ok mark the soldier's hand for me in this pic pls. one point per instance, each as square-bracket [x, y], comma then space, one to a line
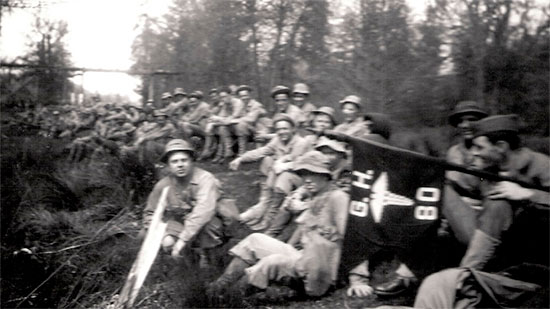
[178, 246]
[360, 290]
[234, 165]
[509, 191]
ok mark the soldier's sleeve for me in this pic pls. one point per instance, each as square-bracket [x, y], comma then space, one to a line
[359, 274]
[205, 207]
[339, 205]
[259, 153]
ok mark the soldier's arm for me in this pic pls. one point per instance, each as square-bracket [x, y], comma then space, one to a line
[259, 153]
[205, 207]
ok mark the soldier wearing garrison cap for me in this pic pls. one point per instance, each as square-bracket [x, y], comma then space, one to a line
[193, 197]
[508, 208]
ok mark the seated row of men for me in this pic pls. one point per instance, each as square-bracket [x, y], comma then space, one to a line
[306, 181]
[230, 115]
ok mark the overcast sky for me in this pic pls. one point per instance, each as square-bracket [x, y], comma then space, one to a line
[100, 35]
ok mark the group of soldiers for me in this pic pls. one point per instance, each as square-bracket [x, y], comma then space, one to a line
[305, 192]
[299, 221]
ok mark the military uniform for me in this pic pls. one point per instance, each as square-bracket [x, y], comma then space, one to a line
[510, 222]
[194, 121]
[320, 234]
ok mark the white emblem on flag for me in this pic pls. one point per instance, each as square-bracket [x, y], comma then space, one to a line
[381, 197]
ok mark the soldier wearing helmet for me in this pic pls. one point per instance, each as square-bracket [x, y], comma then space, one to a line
[193, 196]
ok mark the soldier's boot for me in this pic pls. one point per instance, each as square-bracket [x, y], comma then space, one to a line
[242, 141]
[207, 150]
[273, 206]
[227, 147]
[480, 250]
[219, 153]
[233, 272]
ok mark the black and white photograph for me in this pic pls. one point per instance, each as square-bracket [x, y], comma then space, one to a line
[275, 154]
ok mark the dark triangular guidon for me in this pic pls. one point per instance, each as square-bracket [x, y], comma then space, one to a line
[395, 201]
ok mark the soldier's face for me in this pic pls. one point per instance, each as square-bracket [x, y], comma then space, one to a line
[350, 111]
[334, 157]
[224, 97]
[314, 183]
[284, 131]
[178, 97]
[213, 97]
[298, 98]
[322, 122]
[244, 95]
[486, 155]
[465, 126]
[281, 100]
[193, 101]
[180, 163]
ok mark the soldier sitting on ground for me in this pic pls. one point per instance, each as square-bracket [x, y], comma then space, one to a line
[310, 258]
[323, 119]
[193, 122]
[510, 215]
[277, 157]
[195, 212]
[254, 121]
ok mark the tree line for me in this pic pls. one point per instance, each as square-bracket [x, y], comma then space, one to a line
[495, 51]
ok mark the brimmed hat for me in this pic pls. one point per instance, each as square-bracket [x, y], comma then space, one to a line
[381, 124]
[243, 87]
[352, 99]
[176, 145]
[280, 90]
[327, 110]
[301, 88]
[166, 95]
[225, 89]
[213, 90]
[195, 94]
[283, 117]
[179, 91]
[466, 107]
[330, 143]
[496, 123]
[313, 161]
